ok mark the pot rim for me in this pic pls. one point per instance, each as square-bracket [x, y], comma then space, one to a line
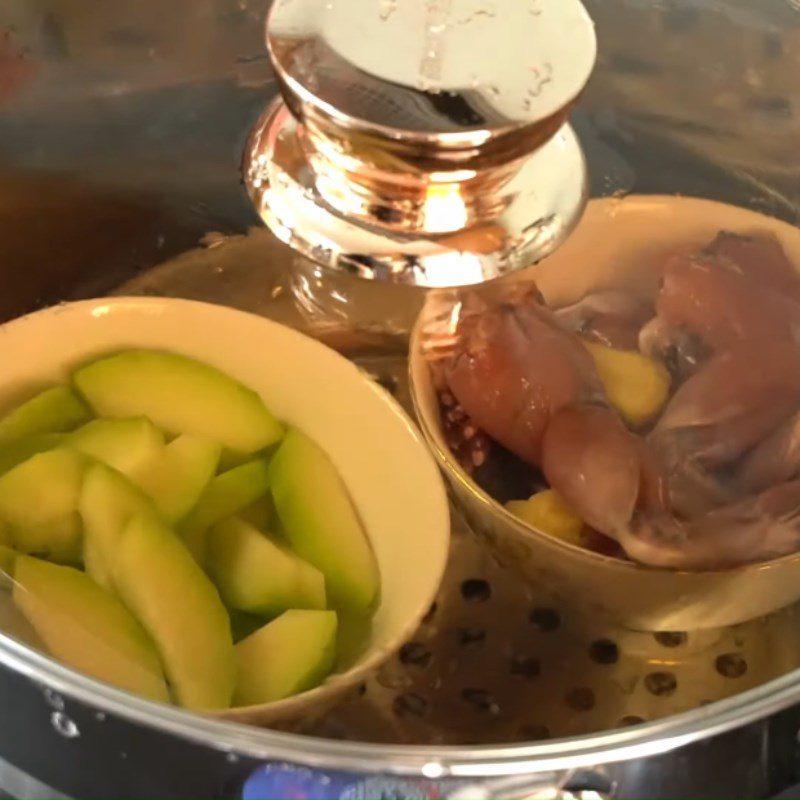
[641, 741]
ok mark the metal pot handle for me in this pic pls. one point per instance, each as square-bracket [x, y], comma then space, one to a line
[592, 784]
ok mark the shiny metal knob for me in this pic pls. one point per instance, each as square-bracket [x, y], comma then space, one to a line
[426, 142]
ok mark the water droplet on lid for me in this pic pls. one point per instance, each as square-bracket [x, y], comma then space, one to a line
[409, 704]
[661, 684]
[534, 732]
[545, 619]
[525, 666]
[581, 698]
[670, 638]
[415, 653]
[54, 699]
[481, 700]
[471, 636]
[432, 770]
[426, 85]
[604, 651]
[731, 665]
[64, 725]
[393, 678]
[387, 8]
[476, 590]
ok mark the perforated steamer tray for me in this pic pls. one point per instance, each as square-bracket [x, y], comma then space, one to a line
[494, 661]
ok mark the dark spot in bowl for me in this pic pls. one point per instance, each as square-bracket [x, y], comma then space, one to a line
[471, 636]
[415, 653]
[127, 37]
[630, 65]
[580, 698]
[410, 704]
[481, 700]
[525, 666]
[679, 18]
[773, 45]
[505, 477]
[533, 733]
[670, 638]
[661, 684]
[388, 382]
[604, 651]
[476, 590]
[545, 619]
[631, 719]
[731, 665]
[773, 106]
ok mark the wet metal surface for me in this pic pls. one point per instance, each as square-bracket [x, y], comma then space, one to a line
[121, 132]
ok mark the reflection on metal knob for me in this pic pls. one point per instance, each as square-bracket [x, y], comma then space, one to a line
[423, 143]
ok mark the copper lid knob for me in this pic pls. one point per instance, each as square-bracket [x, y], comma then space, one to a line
[423, 143]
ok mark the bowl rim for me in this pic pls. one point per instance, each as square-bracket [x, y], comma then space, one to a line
[431, 430]
[336, 682]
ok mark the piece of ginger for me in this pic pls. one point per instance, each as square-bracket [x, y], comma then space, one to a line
[637, 386]
[548, 512]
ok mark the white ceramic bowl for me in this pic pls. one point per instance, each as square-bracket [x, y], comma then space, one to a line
[618, 243]
[390, 474]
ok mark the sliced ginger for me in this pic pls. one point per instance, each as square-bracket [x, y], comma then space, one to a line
[637, 386]
[548, 512]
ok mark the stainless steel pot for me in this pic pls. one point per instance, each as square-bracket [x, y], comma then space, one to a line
[121, 132]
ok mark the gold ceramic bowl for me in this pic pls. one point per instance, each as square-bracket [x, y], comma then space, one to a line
[617, 243]
[376, 449]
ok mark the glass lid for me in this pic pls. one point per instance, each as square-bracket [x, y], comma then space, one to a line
[341, 176]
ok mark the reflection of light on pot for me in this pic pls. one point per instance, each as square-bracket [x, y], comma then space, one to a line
[449, 269]
[455, 176]
[444, 211]
[455, 315]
